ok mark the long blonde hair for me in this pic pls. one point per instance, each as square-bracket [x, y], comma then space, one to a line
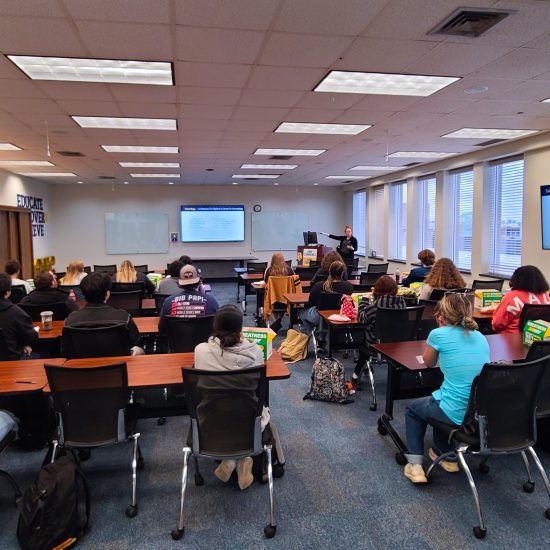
[335, 273]
[456, 309]
[127, 273]
[74, 270]
[278, 267]
[444, 274]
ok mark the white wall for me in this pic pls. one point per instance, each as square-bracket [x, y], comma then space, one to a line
[12, 185]
[78, 216]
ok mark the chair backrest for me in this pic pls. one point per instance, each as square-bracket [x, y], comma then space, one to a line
[369, 279]
[437, 294]
[382, 269]
[110, 269]
[329, 300]
[142, 268]
[185, 333]
[87, 269]
[256, 267]
[536, 351]
[225, 409]
[60, 274]
[288, 262]
[305, 273]
[505, 402]
[480, 284]
[159, 301]
[398, 325]
[4, 354]
[352, 264]
[18, 292]
[532, 312]
[128, 287]
[75, 288]
[129, 301]
[89, 403]
[59, 309]
[95, 340]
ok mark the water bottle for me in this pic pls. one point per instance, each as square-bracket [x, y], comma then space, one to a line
[72, 295]
[397, 276]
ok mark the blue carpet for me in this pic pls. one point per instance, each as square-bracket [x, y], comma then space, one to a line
[342, 487]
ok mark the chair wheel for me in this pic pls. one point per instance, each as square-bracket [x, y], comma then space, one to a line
[528, 486]
[479, 533]
[400, 459]
[372, 407]
[131, 511]
[483, 468]
[547, 513]
[382, 430]
[199, 480]
[161, 421]
[278, 470]
[177, 534]
[269, 531]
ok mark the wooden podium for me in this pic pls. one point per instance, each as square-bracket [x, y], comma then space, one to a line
[311, 253]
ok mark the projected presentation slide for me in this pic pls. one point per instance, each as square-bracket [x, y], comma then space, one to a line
[545, 213]
[200, 224]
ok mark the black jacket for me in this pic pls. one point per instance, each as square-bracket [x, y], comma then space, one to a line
[342, 248]
[340, 287]
[141, 278]
[49, 296]
[17, 328]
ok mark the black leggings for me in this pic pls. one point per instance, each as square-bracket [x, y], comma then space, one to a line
[364, 354]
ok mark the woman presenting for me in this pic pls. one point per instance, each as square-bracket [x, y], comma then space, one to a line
[348, 243]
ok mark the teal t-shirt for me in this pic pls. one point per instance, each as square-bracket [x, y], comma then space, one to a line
[462, 354]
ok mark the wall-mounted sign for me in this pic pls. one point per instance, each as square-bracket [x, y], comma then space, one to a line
[38, 216]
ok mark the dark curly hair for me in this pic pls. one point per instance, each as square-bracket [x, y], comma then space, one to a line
[529, 278]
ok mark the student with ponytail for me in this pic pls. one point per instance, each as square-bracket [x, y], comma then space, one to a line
[461, 352]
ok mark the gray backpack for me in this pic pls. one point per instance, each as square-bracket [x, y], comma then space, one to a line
[328, 382]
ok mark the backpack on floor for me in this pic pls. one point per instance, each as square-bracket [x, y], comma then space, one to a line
[294, 347]
[49, 514]
[328, 382]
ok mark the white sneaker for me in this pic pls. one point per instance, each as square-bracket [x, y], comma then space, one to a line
[225, 469]
[447, 465]
[415, 473]
[244, 473]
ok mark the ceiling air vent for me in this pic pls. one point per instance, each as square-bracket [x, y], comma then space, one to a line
[470, 22]
[412, 164]
[280, 157]
[106, 178]
[490, 142]
[70, 154]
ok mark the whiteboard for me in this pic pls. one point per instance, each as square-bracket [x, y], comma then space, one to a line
[278, 230]
[136, 233]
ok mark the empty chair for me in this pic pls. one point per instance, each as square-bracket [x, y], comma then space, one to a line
[59, 309]
[225, 408]
[129, 301]
[92, 410]
[110, 269]
[382, 269]
[128, 287]
[17, 293]
[256, 267]
[142, 268]
[96, 340]
[305, 273]
[532, 312]
[185, 333]
[352, 264]
[8, 432]
[367, 279]
[495, 284]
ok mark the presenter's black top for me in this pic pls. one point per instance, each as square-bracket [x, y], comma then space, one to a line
[344, 247]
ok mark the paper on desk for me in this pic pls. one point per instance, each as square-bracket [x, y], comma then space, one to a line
[420, 359]
[37, 329]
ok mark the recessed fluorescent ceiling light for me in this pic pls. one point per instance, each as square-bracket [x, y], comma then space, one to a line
[139, 149]
[313, 128]
[150, 164]
[95, 70]
[489, 133]
[48, 174]
[117, 123]
[290, 152]
[269, 166]
[255, 176]
[384, 84]
[9, 147]
[345, 178]
[377, 168]
[420, 154]
[25, 163]
[155, 175]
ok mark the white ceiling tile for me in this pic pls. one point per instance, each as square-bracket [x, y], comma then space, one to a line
[37, 120]
[385, 102]
[531, 90]
[148, 110]
[143, 93]
[217, 75]
[9, 70]
[211, 46]
[35, 8]
[90, 108]
[267, 98]
[125, 11]
[19, 89]
[202, 124]
[251, 125]
[296, 50]
[272, 114]
[17, 105]
[75, 90]
[328, 100]
[206, 112]
[492, 107]
[312, 115]
[523, 63]
[284, 78]
[198, 95]
[355, 116]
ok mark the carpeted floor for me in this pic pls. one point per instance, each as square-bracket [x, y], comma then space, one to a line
[342, 487]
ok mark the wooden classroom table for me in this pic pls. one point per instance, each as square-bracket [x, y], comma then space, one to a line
[146, 303]
[24, 376]
[337, 326]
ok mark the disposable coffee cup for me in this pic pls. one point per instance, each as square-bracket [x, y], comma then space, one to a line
[47, 319]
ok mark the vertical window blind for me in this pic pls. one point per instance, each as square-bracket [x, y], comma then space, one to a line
[398, 213]
[359, 220]
[462, 184]
[427, 213]
[376, 222]
[506, 216]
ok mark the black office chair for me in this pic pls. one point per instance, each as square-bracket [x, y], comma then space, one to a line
[329, 300]
[142, 268]
[92, 409]
[79, 295]
[288, 262]
[480, 284]
[110, 269]
[59, 309]
[95, 340]
[159, 301]
[60, 274]
[185, 333]
[533, 312]
[368, 280]
[305, 273]
[18, 292]
[381, 269]
[225, 408]
[128, 301]
[8, 433]
[128, 287]
[4, 353]
[87, 269]
[256, 267]
[500, 419]
[352, 264]
[428, 322]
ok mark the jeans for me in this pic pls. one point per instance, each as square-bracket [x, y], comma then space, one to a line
[310, 319]
[416, 422]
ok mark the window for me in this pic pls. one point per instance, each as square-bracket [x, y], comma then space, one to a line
[462, 185]
[427, 212]
[505, 222]
[376, 222]
[398, 217]
[359, 220]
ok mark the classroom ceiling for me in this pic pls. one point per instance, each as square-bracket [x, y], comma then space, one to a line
[242, 67]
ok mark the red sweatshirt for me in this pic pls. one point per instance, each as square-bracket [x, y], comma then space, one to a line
[506, 316]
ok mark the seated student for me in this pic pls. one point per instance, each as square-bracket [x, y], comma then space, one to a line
[226, 350]
[334, 284]
[128, 274]
[13, 269]
[16, 325]
[75, 274]
[170, 285]
[189, 302]
[46, 292]
[278, 267]
[384, 295]
[443, 275]
[461, 351]
[96, 288]
[528, 286]
[322, 273]
[418, 274]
